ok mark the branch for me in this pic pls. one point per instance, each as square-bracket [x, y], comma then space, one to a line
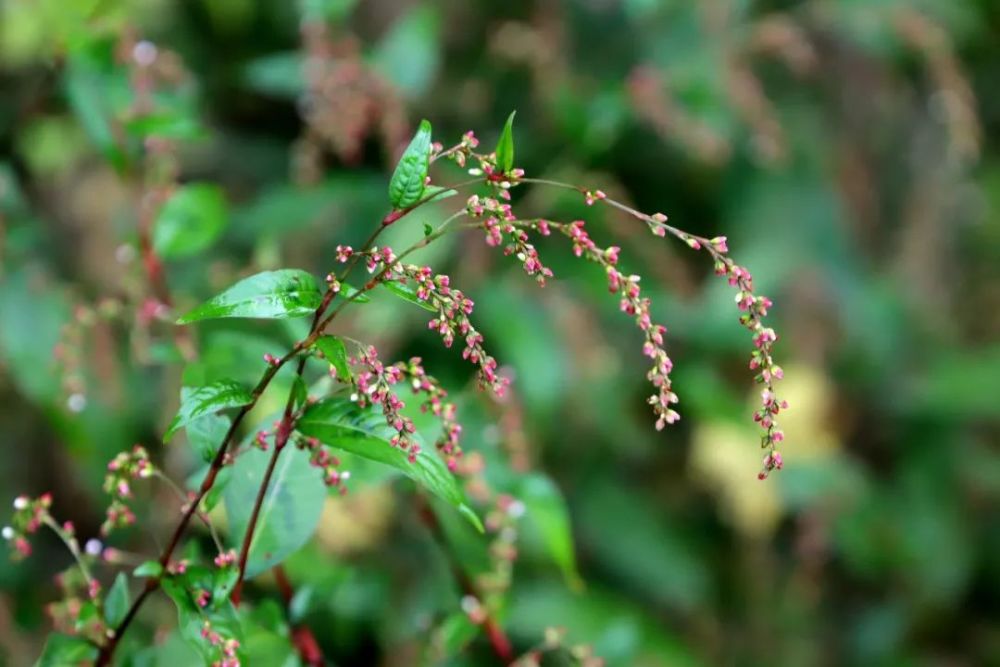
[319, 324]
[502, 647]
[302, 637]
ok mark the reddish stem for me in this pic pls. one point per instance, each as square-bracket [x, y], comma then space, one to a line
[497, 637]
[302, 637]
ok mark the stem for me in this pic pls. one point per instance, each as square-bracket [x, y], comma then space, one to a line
[498, 638]
[71, 544]
[184, 499]
[152, 583]
[280, 440]
[302, 637]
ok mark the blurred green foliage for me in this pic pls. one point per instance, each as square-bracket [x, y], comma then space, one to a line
[848, 148]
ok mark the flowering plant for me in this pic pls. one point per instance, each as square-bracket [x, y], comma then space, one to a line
[357, 412]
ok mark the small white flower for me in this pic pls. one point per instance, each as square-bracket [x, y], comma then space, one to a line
[93, 547]
[8, 533]
[20, 503]
[76, 402]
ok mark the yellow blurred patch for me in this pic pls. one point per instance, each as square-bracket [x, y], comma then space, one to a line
[726, 458]
[356, 522]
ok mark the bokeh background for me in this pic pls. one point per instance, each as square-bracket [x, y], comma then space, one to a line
[848, 148]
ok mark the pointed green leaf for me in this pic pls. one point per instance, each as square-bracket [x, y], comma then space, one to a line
[116, 604]
[455, 633]
[300, 393]
[407, 184]
[546, 510]
[335, 352]
[190, 221]
[62, 650]
[205, 435]
[290, 511]
[199, 401]
[191, 615]
[437, 193]
[340, 423]
[150, 568]
[505, 147]
[353, 294]
[268, 295]
[407, 292]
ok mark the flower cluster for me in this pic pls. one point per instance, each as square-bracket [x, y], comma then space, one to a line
[122, 470]
[226, 646]
[501, 523]
[633, 303]
[29, 514]
[452, 320]
[225, 559]
[320, 457]
[753, 308]
[374, 385]
[460, 152]
[437, 405]
[497, 220]
[77, 612]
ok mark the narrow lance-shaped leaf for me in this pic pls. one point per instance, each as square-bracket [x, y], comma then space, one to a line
[61, 650]
[407, 292]
[546, 510]
[268, 295]
[117, 601]
[408, 181]
[199, 401]
[342, 424]
[505, 147]
[335, 352]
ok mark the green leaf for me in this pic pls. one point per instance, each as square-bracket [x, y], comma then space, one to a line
[353, 294]
[327, 10]
[290, 511]
[505, 147]
[407, 185]
[205, 435]
[150, 568]
[224, 582]
[437, 193]
[199, 401]
[182, 589]
[407, 292]
[166, 125]
[456, 632]
[190, 221]
[340, 423]
[409, 55]
[277, 75]
[267, 295]
[117, 602]
[335, 352]
[546, 509]
[90, 81]
[300, 393]
[63, 650]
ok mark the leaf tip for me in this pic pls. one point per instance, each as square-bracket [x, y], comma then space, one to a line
[472, 517]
